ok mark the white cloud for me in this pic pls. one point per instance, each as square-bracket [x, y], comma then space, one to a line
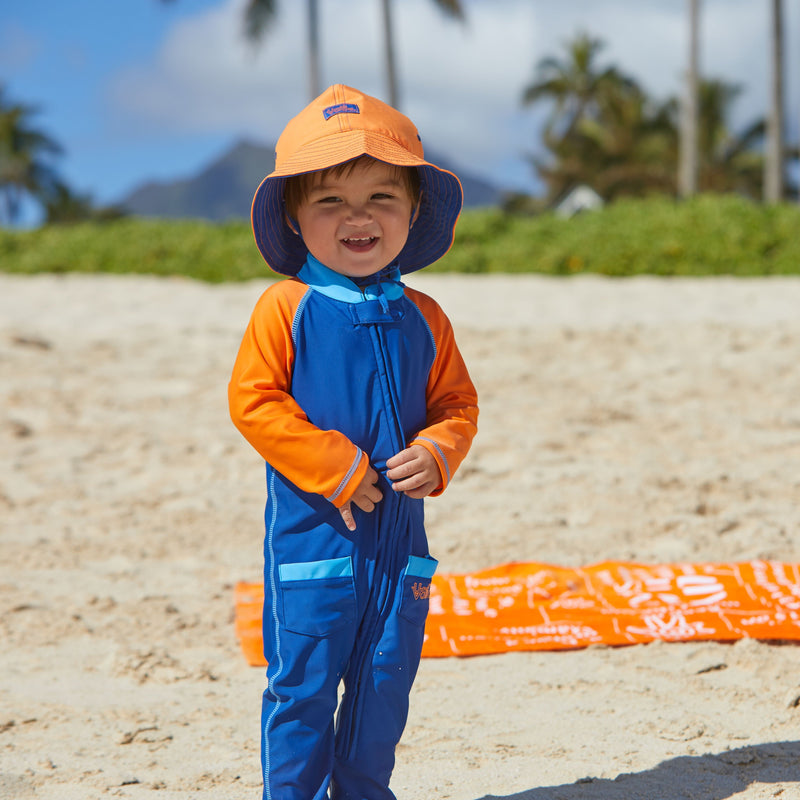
[207, 78]
[461, 84]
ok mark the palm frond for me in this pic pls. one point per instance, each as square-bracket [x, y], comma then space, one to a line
[258, 17]
[452, 8]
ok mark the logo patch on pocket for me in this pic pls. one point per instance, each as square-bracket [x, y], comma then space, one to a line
[422, 591]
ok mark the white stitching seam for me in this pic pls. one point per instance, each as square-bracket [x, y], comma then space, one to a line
[267, 791]
[441, 454]
[347, 477]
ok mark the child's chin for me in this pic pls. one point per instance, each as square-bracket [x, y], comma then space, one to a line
[360, 273]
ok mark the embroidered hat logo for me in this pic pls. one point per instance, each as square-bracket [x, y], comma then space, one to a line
[341, 108]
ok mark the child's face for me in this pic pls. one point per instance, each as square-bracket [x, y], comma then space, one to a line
[357, 223]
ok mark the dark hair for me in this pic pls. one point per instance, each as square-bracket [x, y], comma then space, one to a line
[298, 187]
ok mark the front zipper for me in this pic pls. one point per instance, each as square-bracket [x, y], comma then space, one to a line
[387, 549]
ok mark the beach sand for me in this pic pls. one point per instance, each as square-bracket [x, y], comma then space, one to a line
[643, 420]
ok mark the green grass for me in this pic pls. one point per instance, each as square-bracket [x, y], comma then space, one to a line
[198, 250]
[708, 235]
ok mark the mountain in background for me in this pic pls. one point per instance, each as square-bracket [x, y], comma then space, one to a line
[225, 188]
[222, 190]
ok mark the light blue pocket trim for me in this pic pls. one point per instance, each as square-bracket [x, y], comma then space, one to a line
[313, 570]
[421, 567]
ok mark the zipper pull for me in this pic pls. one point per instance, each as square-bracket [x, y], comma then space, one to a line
[382, 299]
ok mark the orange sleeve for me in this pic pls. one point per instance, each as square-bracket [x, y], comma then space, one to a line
[262, 408]
[452, 401]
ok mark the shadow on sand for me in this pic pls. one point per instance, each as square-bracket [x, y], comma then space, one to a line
[708, 777]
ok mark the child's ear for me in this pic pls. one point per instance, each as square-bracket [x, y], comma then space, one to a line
[292, 223]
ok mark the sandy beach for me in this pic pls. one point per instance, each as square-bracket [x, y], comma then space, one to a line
[648, 420]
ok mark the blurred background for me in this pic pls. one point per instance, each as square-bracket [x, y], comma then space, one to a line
[171, 108]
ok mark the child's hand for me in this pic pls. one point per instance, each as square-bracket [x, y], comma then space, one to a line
[365, 497]
[414, 472]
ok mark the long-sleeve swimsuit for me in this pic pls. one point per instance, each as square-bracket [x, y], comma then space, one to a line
[329, 379]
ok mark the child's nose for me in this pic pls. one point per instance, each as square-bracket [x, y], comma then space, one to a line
[358, 213]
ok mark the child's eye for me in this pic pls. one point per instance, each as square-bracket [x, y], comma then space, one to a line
[330, 199]
[382, 196]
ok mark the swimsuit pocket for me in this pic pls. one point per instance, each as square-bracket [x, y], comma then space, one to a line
[318, 596]
[417, 588]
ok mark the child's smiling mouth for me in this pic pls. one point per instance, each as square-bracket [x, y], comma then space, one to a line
[360, 243]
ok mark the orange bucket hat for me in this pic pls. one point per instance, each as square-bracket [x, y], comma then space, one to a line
[339, 126]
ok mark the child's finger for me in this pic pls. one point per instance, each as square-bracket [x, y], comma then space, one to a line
[416, 487]
[365, 502]
[404, 483]
[403, 457]
[347, 516]
[420, 492]
[402, 469]
[371, 477]
[374, 494]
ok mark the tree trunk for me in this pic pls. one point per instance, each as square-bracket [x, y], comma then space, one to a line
[773, 162]
[688, 168]
[391, 64]
[314, 80]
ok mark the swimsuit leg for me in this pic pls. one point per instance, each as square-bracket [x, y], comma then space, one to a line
[374, 709]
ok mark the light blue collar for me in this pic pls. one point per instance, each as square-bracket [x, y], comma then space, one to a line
[340, 287]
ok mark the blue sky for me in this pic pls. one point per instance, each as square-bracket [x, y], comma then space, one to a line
[138, 89]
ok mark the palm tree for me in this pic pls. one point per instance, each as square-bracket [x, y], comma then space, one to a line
[773, 163]
[727, 162]
[605, 132]
[25, 153]
[575, 85]
[452, 8]
[602, 130]
[627, 149]
[259, 15]
[688, 167]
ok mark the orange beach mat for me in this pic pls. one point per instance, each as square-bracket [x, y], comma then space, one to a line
[531, 606]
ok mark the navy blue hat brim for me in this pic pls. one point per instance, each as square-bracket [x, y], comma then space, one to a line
[430, 237]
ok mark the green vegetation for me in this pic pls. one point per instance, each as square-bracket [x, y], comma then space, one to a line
[707, 235]
[201, 250]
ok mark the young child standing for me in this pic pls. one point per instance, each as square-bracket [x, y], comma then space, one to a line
[351, 387]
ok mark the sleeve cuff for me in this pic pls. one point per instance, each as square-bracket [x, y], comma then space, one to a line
[441, 462]
[351, 480]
